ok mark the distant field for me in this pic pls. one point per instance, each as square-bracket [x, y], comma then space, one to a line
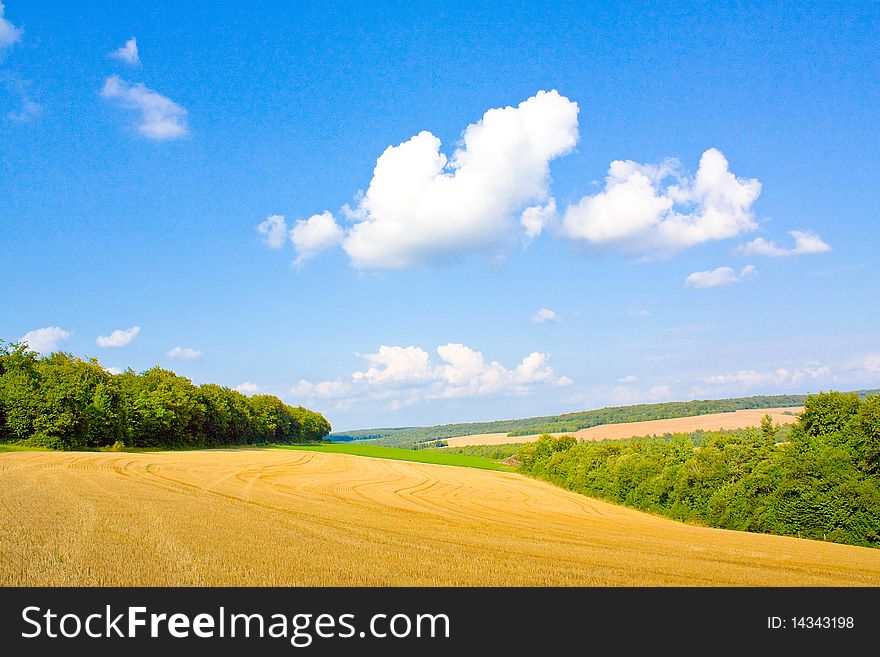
[713, 422]
[396, 454]
[569, 422]
[316, 518]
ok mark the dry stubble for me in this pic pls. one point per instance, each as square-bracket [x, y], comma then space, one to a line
[276, 517]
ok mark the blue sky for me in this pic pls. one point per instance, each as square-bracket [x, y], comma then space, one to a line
[134, 177]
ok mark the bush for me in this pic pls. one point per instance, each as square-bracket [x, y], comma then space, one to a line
[822, 484]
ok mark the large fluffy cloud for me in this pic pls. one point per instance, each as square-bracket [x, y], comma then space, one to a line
[401, 376]
[804, 243]
[655, 209]
[45, 340]
[422, 206]
[160, 117]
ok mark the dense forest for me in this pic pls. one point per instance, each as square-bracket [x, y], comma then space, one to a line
[414, 436]
[822, 483]
[63, 402]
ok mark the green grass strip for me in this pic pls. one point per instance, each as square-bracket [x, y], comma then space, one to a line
[397, 454]
[21, 448]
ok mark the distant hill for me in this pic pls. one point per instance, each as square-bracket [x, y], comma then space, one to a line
[414, 436]
[368, 434]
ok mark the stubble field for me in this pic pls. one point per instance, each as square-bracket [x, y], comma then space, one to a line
[280, 517]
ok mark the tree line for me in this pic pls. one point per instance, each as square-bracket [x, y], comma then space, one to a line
[822, 483]
[64, 402]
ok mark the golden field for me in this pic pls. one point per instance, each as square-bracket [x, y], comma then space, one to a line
[278, 517]
[711, 422]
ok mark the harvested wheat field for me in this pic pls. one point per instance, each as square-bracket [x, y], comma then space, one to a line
[278, 517]
[711, 422]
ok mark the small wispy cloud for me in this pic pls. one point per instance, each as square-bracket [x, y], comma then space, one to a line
[247, 388]
[755, 379]
[161, 118]
[9, 34]
[185, 353]
[535, 218]
[273, 231]
[805, 243]
[545, 315]
[28, 109]
[127, 53]
[871, 364]
[118, 338]
[720, 276]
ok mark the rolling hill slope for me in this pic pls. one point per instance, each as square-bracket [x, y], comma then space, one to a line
[291, 517]
[570, 422]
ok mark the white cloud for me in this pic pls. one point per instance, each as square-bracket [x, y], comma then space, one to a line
[323, 390]
[639, 313]
[719, 276]
[545, 315]
[690, 329]
[247, 388]
[422, 207]
[402, 376]
[29, 109]
[872, 364]
[656, 210]
[626, 395]
[313, 235]
[658, 392]
[45, 340]
[118, 338]
[127, 53]
[535, 218]
[756, 379]
[273, 231]
[396, 364]
[113, 370]
[9, 34]
[161, 118]
[628, 379]
[185, 353]
[804, 243]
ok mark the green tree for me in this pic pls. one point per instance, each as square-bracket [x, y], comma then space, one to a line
[768, 428]
[828, 412]
[869, 430]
